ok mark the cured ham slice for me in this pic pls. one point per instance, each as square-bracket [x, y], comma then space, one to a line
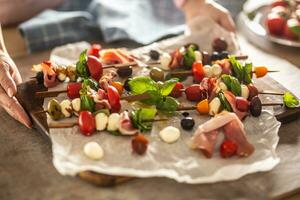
[234, 132]
[116, 56]
[232, 101]
[125, 126]
[49, 74]
[205, 136]
[177, 59]
[107, 79]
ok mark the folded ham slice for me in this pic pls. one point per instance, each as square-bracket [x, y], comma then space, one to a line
[232, 101]
[206, 134]
[125, 126]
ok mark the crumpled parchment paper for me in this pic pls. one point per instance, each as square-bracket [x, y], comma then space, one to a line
[177, 160]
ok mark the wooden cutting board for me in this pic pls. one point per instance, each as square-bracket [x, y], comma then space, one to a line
[26, 96]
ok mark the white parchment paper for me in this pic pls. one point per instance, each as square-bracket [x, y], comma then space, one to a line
[176, 161]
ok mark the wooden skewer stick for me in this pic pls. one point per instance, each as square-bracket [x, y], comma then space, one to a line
[271, 93]
[129, 64]
[45, 94]
[69, 124]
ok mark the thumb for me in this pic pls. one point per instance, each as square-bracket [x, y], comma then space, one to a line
[227, 22]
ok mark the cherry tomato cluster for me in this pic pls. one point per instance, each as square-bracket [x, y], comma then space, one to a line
[284, 19]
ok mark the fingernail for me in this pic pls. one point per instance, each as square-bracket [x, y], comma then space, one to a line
[10, 92]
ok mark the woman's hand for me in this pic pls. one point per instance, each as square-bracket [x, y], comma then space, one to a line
[9, 78]
[194, 8]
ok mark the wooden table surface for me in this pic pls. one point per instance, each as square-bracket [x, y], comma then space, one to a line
[27, 172]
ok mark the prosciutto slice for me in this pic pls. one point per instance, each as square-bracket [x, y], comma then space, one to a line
[125, 126]
[107, 79]
[232, 101]
[206, 134]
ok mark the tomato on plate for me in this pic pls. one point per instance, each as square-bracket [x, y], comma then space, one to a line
[86, 122]
[113, 98]
[279, 3]
[228, 148]
[275, 24]
[95, 50]
[177, 90]
[95, 67]
[198, 71]
[73, 90]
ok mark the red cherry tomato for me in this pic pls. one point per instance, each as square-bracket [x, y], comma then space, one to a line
[228, 148]
[139, 144]
[279, 3]
[275, 24]
[176, 92]
[113, 98]
[198, 71]
[242, 104]
[195, 93]
[95, 67]
[95, 50]
[73, 90]
[86, 122]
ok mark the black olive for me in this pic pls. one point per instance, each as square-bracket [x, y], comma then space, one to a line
[224, 55]
[219, 44]
[187, 123]
[185, 114]
[126, 85]
[40, 77]
[255, 106]
[206, 58]
[154, 55]
[215, 56]
[124, 71]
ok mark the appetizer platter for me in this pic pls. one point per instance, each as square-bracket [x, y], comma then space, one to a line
[177, 112]
[277, 20]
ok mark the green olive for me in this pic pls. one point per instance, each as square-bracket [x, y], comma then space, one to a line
[157, 74]
[54, 110]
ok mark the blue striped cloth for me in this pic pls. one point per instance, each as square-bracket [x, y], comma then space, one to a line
[143, 21]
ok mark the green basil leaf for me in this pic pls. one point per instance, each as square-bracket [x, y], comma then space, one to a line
[87, 103]
[237, 68]
[168, 86]
[247, 73]
[81, 66]
[167, 104]
[91, 83]
[141, 118]
[154, 98]
[290, 100]
[142, 84]
[227, 80]
[189, 57]
[225, 104]
[235, 87]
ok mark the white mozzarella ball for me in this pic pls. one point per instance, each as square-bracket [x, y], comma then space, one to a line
[93, 150]
[223, 86]
[198, 56]
[207, 71]
[165, 60]
[76, 104]
[216, 70]
[245, 91]
[169, 134]
[101, 121]
[66, 108]
[113, 122]
[214, 106]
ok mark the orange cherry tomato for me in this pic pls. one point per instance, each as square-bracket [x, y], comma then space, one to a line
[260, 71]
[118, 86]
[198, 71]
[203, 107]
